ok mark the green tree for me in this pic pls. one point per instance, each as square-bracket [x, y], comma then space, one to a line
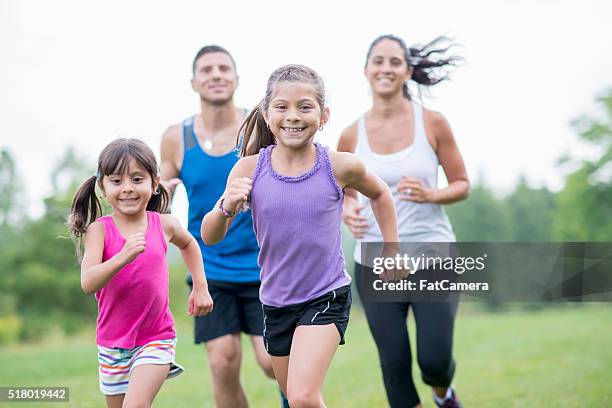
[584, 206]
[482, 217]
[10, 190]
[10, 217]
[531, 213]
[40, 272]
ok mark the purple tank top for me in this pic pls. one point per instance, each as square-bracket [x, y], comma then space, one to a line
[297, 222]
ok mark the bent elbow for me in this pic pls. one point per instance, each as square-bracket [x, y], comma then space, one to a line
[466, 191]
[87, 289]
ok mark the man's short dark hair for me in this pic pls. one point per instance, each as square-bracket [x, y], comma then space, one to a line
[210, 49]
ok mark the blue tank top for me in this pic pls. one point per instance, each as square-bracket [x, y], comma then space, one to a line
[234, 259]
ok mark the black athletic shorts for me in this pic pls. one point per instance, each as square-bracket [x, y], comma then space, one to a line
[236, 309]
[280, 322]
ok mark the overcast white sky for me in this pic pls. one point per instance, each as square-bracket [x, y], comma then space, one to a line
[82, 73]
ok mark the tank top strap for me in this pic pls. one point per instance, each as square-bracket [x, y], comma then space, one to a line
[362, 136]
[189, 138]
[419, 124]
[245, 113]
[155, 227]
[261, 161]
[110, 232]
[326, 161]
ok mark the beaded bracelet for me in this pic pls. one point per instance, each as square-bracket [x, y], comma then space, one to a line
[224, 211]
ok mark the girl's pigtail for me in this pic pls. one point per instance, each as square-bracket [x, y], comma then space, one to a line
[85, 209]
[159, 201]
[254, 133]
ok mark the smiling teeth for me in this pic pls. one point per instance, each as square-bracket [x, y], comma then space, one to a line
[294, 129]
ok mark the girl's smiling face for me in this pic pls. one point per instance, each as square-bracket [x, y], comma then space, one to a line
[130, 192]
[294, 114]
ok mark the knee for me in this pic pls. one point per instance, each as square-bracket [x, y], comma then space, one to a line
[135, 403]
[266, 365]
[224, 363]
[396, 371]
[304, 399]
[437, 370]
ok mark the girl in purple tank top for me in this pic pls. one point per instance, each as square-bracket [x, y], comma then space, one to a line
[124, 264]
[295, 189]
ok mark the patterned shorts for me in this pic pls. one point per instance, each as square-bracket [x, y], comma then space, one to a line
[116, 364]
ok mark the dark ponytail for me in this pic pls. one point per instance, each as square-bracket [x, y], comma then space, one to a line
[159, 201]
[429, 63]
[254, 123]
[85, 209]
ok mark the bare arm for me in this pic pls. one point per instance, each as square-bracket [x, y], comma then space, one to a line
[188, 246]
[351, 216]
[347, 143]
[95, 274]
[452, 164]
[237, 190]
[200, 302]
[352, 173]
[171, 158]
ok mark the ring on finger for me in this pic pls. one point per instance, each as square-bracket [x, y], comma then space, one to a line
[408, 191]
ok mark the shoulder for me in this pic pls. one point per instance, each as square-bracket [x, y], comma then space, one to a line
[245, 167]
[343, 158]
[169, 222]
[348, 138]
[346, 166]
[172, 137]
[96, 227]
[95, 232]
[436, 124]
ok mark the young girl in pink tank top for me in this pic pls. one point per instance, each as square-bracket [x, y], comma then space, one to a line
[124, 264]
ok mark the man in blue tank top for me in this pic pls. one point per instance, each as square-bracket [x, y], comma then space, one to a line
[200, 152]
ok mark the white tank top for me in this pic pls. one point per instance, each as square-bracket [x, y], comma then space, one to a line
[416, 222]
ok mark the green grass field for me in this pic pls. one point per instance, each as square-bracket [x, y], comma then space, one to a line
[558, 357]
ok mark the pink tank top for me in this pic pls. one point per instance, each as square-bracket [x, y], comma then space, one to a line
[133, 306]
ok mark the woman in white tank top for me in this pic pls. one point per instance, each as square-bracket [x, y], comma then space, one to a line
[404, 144]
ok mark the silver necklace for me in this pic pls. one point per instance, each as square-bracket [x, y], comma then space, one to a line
[208, 144]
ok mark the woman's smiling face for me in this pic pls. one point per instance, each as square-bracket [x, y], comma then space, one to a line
[387, 69]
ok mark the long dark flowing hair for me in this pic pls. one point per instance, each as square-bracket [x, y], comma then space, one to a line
[429, 62]
[114, 159]
[254, 132]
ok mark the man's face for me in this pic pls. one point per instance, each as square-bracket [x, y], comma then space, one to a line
[215, 78]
